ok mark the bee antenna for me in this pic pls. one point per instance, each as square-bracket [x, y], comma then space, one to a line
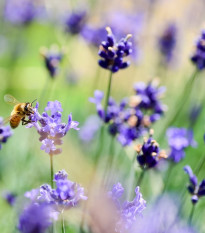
[33, 101]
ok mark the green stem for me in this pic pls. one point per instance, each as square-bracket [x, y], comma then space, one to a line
[167, 178]
[191, 214]
[62, 223]
[140, 178]
[51, 169]
[108, 93]
[200, 165]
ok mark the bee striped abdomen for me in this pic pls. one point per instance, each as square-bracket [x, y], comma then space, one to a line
[14, 121]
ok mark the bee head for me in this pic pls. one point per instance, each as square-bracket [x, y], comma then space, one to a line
[28, 108]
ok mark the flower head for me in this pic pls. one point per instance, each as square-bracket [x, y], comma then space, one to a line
[195, 189]
[10, 198]
[167, 42]
[75, 22]
[112, 53]
[198, 57]
[35, 218]
[179, 139]
[149, 153]
[50, 127]
[129, 210]
[52, 58]
[5, 132]
[67, 194]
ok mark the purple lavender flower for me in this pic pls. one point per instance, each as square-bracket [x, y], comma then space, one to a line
[75, 22]
[194, 189]
[161, 216]
[21, 11]
[35, 218]
[52, 58]
[128, 211]
[130, 121]
[179, 139]
[167, 42]
[66, 195]
[10, 198]
[112, 53]
[5, 132]
[89, 129]
[50, 127]
[149, 153]
[198, 57]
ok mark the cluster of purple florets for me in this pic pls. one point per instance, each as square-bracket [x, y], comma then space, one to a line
[112, 53]
[50, 127]
[52, 58]
[149, 153]
[128, 210]
[179, 139]
[130, 119]
[75, 22]
[5, 132]
[47, 203]
[167, 42]
[198, 57]
[195, 189]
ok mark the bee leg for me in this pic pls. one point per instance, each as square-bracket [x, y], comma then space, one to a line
[25, 122]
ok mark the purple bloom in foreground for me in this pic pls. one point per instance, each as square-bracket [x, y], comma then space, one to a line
[67, 194]
[161, 217]
[50, 127]
[112, 53]
[5, 132]
[198, 57]
[128, 210]
[194, 189]
[52, 58]
[75, 22]
[35, 219]
[179, 139]
[167, 42]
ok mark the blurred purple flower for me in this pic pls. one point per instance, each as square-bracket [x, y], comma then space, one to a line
[10, 198]
[198, 57]
[194, 113]
[21, 11]
[179, 139]
[52, 58]
[161, 216]
[5, 132]
[50, 128]
[66, 195]
[167, 42]
[75, 22]
[112, 53]
[89, 129]
[194, 189]
[129, 210]
[35, 218]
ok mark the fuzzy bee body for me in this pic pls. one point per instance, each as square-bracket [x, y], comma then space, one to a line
[19, 112]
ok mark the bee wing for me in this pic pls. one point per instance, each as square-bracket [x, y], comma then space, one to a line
[6, 120]
[10, 100]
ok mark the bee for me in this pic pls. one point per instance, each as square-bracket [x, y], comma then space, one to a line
[19, 112]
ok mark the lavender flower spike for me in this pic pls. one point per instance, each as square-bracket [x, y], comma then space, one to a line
[194, 189]
[128, 211]
[112, 53]
[50, 127]
[5, 132]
